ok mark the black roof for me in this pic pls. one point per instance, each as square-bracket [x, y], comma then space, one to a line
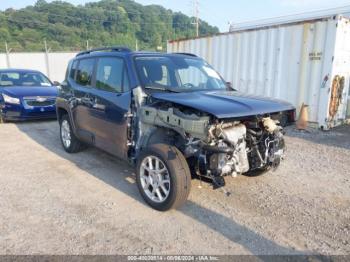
[124, 51]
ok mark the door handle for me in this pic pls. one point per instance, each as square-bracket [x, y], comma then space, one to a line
[88, 101]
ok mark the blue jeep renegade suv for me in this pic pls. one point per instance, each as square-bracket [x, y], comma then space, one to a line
[172, 116]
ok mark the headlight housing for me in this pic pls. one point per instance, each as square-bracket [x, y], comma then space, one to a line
[11, 100]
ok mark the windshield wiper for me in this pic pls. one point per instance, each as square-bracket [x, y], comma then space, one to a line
[161, 88]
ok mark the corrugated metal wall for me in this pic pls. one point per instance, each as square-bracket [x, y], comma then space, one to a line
[52, 64]
[288, 62]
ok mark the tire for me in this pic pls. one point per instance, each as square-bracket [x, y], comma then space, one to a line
[74, 144]
[2, 119]
[177, 172]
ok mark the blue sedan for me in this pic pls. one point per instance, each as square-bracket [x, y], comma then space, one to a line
[26, 94]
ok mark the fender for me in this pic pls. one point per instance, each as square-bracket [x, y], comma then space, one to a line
[62, 103]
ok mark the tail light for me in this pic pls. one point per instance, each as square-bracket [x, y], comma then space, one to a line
[291, 116]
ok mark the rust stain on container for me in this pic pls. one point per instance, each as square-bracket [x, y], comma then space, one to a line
[336, 95]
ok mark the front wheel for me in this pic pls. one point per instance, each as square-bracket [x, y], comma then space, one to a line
[163, 177]
[2, 119]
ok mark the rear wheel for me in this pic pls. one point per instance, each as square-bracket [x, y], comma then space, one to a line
[70, 142]
[163, 177]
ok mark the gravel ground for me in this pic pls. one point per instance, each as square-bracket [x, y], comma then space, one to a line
[88, 203]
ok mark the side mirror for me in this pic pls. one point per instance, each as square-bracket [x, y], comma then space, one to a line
[56, 83]
[229, 86]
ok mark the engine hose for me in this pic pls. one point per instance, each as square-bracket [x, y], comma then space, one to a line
[252, 132]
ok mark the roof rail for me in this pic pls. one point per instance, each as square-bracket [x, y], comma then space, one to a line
[110, 48]
[189, 54]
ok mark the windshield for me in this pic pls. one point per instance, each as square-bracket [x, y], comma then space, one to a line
[16, 78]
[177, 73]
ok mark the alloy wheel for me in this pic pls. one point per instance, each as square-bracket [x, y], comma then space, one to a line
[155, 179]
[65, 134]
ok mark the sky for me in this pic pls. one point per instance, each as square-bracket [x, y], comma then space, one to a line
[221, 12]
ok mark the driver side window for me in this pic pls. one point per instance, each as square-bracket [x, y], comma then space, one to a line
[165, 79]
[192, 75]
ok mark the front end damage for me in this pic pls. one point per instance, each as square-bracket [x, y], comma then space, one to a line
[214, 147]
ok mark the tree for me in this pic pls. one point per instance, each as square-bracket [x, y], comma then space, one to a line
[107, 22]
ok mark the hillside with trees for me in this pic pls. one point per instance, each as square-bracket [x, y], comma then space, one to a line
[108, 22]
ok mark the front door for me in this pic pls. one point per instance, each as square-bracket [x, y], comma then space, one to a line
[110, 98]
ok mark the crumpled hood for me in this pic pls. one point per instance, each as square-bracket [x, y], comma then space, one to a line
[24, 91]
[226, 104]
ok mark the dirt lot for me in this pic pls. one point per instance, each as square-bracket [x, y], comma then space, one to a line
[88, 203]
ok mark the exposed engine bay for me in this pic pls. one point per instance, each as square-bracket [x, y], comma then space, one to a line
[214, 148]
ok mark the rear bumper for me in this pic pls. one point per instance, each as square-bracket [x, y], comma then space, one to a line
[19, 113]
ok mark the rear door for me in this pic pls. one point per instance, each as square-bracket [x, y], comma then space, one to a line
[83, 99]
[111, 102]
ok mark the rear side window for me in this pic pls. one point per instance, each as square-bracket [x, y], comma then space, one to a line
[84, 72]
[111, 75]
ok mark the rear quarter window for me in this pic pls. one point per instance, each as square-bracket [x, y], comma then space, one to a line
[72, 69]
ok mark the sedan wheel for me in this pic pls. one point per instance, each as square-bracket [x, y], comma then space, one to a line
[2, 119]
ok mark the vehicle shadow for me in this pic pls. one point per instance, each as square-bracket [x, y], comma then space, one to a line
[239, 234]
[336, 137]
[46, 134]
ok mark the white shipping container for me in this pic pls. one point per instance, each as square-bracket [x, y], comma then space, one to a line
[295, 61]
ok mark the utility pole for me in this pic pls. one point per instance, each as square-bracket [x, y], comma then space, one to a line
[47, 50]
[7, 55]
[196, 15]
[87, 39]
[136, 45]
